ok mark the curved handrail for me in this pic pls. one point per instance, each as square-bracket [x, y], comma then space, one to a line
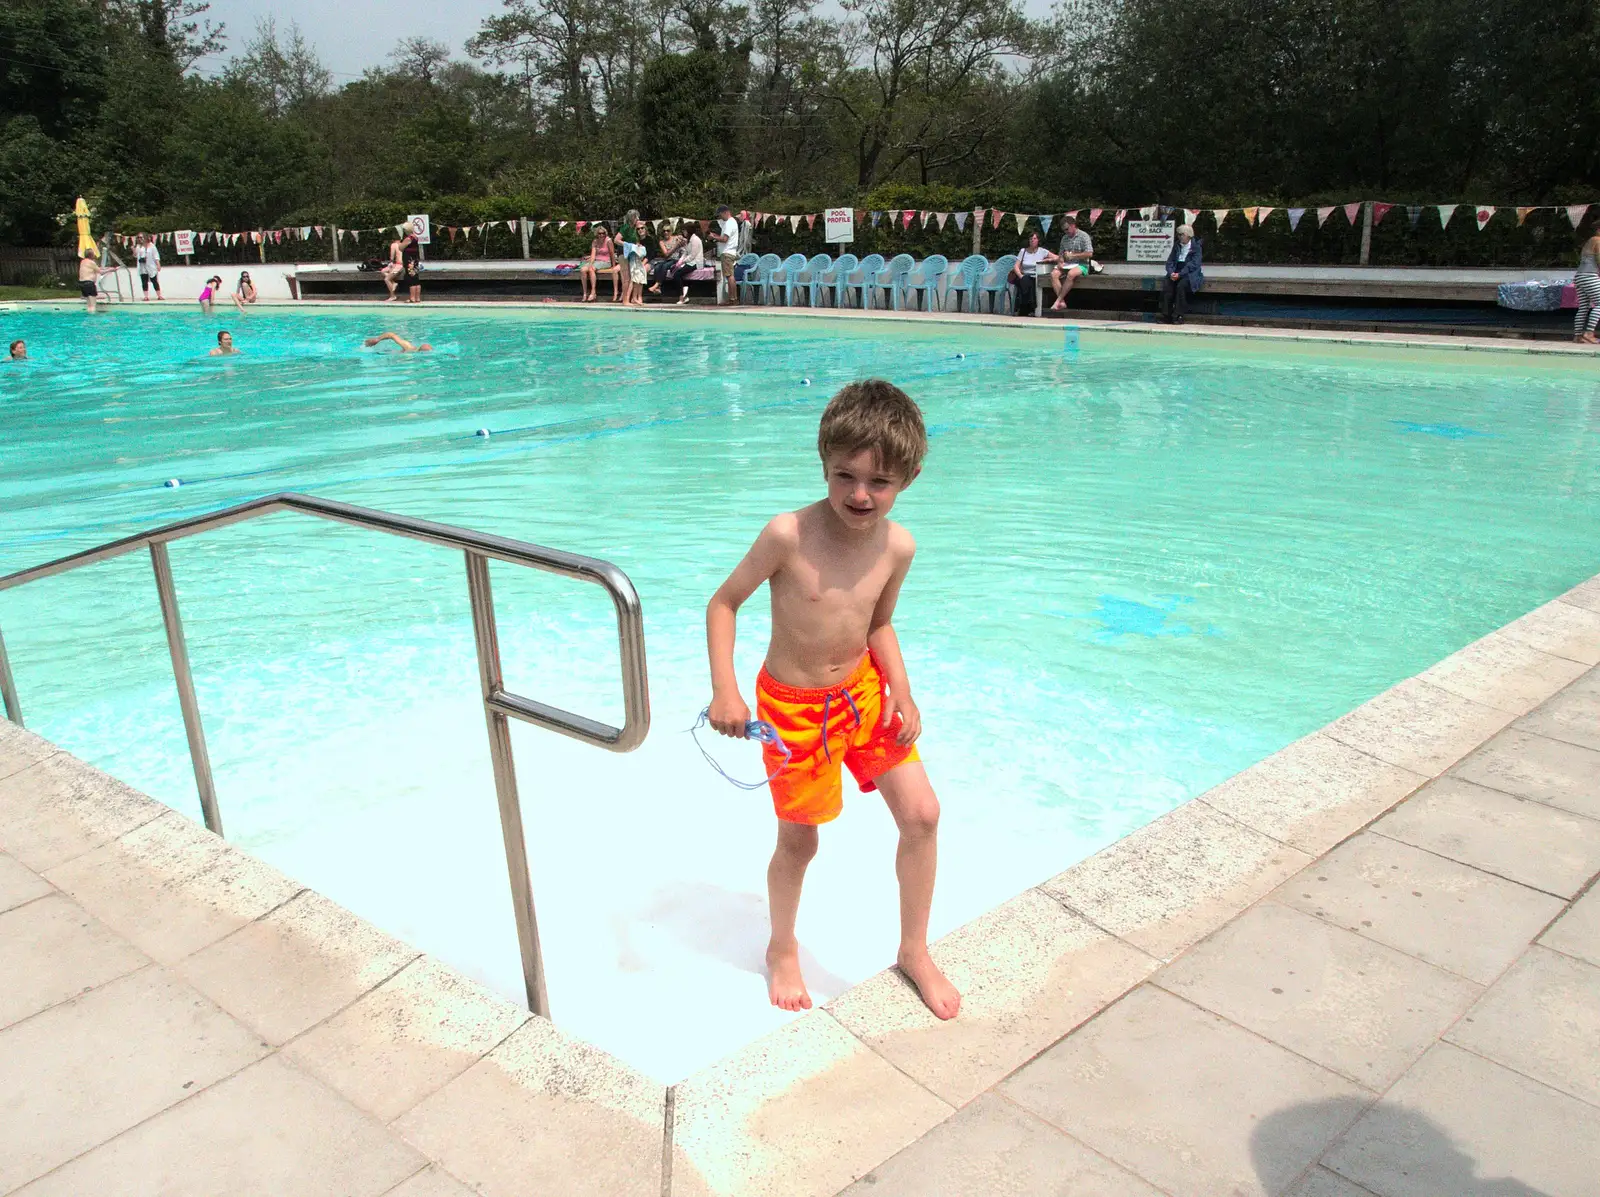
[498, 703]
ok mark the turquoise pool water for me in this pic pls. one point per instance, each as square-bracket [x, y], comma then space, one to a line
[1142, 567]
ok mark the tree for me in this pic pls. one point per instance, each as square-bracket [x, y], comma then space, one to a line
[680, 98]
[234, 166]
[284, 73]
[419, 58]
[178, 29]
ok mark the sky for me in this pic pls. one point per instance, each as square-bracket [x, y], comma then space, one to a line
[352, 35]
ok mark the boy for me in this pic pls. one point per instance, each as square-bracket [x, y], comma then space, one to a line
[726, 235]
[834, 684]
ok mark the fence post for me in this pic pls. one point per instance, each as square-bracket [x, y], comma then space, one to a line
[1366, 233]
[977, 231]
[522, 223]
[334, 241]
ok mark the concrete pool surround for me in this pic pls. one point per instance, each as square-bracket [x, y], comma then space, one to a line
[149, 948]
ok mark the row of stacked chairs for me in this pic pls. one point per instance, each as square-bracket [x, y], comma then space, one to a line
[934, 284]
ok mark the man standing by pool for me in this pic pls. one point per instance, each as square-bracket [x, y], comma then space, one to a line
[89, 272]
[1077, 255]
[726, 235]
[411, 266]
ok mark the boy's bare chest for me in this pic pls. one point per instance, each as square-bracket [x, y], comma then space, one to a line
[834, 584]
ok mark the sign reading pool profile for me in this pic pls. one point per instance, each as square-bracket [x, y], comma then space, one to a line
[840, 224]
[1150, 240]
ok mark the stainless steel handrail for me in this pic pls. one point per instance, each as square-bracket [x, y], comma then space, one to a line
[498, 703]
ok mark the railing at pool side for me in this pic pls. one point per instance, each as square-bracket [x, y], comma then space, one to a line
[498, 703]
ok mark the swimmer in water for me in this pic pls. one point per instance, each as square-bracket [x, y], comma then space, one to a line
[19, 351]
[405, 345]
[224, 345]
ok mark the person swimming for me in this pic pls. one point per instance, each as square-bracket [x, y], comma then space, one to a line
[405, 345]
[224, 345]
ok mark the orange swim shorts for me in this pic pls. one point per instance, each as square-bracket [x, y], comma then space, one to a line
[824, 728]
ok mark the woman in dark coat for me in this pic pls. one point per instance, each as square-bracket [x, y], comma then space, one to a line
[1183, 277]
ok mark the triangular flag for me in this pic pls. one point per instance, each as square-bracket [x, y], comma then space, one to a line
[894, 216]
[1322, 216]
[941, 217]
[1485, 214]
[577, 225]
[1148, 212]
[1446, 211]
[1294, 215]
[1045, 222]
[1414, 214]
[318, 228]
[1021, 219]
[794, 224]
[1190, 215]
[355, 236]
[926, 217]
[1379, 211]
[1262, 214]
[1094, 215]
[906, 218]
[1250, 214]
[876, 217]
[1122, 214]
[1219, 215]
[1522, 215]
[994, 217]
[977, 215]
[811, 220]
[961, 221]
[1575, 213]
[305, 232]
[1351, 211]
[543, 224]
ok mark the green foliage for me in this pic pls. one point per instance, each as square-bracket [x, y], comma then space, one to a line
[680, 100]
[240, 168]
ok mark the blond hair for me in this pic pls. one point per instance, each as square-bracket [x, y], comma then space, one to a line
[875, 415]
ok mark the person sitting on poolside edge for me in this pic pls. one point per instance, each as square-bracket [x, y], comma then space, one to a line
[224, 345]
[405, 345]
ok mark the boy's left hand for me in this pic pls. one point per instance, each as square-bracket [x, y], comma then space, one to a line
[910, 717]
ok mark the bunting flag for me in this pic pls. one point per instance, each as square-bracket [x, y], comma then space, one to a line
[811, 220]
[1379, 211]
[1522, 215]
[1148, 212]
[1446, 211]
[977, 216]
[577, 225]
[1262, 214]
[1021, 219]
[994, 217]
[876, 217]
[906, 218]
[1414, 214]
[1046, 221]
[355, 236]
[961, 222]
[543, 225]
[1351, 211]
[926, 217]
[941, 217]
[1575, 213]
[1294, 215]
[1122, 214]
[894, 216]
[1190, 215]
[794, 224]
[1219, 215]
[1485, 214]
[1250, 215]
[1094, 215]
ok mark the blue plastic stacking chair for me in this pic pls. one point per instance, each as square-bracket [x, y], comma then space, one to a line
[964, 279]
[996, 283]
[741, 272]
[924, 278]
[832, 280]
[806, 280]
[862, 279]
[756, 280]
[783, 277]
[892, 277]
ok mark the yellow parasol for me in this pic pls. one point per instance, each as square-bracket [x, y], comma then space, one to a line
[85, 240]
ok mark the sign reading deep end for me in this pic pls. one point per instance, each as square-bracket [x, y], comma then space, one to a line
[1150, 240]
[840, 225]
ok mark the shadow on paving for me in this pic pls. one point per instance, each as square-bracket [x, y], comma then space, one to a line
[1389, 1150]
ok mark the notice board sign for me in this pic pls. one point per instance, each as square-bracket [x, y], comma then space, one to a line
[183, 241]
[1150, 240]
[840, 225]
[420, 230]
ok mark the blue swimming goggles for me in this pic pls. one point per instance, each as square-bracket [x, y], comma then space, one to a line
[755, 729]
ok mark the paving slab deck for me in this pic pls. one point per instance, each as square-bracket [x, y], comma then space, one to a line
[1368, 965]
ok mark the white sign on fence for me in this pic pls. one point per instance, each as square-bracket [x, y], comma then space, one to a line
[1150, 240]
[841, 225]
[419, 227]
[183, 241]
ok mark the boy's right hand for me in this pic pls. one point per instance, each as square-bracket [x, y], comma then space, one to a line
[729, 715]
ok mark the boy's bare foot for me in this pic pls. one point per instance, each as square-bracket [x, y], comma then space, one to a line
[785, 986]
[937, 993]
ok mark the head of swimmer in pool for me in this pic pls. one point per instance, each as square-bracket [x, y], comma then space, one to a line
[872, 441]
[19, 350]
[224, 345]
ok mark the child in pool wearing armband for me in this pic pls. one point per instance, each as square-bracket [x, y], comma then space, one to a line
[834, 685]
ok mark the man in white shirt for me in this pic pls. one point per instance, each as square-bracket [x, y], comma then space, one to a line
[726, 235]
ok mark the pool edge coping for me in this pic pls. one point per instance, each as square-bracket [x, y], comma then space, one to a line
[1034, 968]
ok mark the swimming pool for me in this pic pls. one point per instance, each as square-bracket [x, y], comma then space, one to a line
[1141, 568]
